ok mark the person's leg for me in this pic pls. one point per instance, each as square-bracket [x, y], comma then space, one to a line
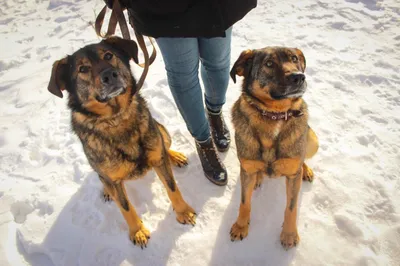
[215, 54]
[181, 59]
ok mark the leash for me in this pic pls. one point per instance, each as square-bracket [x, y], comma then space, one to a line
[117, 16]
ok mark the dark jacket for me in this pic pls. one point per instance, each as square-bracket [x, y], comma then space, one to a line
[185, 18]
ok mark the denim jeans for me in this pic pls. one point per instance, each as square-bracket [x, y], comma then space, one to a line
[181, 58]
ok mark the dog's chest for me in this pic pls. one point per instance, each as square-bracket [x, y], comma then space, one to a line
[269, 137]
[276, 129]
[109, 148]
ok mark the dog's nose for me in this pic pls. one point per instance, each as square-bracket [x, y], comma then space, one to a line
[296, 78]
[109, 76]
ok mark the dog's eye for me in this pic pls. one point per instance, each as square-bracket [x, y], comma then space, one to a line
[269, 63]
[83, 69]
[294, 58]
[108, 56]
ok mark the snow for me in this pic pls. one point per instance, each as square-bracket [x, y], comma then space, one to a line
[51, 212]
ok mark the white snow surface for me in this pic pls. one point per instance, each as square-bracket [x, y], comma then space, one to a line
[51, 212]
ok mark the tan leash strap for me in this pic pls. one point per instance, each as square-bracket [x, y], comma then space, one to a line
[146, 65]
[153, 53]
[121, 20]
[99, 23]
[117, 16]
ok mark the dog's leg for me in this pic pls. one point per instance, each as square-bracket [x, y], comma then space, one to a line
[177, 158]
[289, 236]
[240, 228]
[138, 234]
[311, 150]
[106, 194]
[184, 213]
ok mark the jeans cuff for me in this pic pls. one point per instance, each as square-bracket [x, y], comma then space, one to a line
[214, 112]
[214, 108]
[203, 141]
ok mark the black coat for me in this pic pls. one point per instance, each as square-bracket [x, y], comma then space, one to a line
[185, 18]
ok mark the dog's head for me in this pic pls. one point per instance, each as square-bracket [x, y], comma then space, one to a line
[96, 73]
[272, 73]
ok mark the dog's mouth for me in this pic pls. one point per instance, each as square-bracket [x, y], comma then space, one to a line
[110, 93]
[294, 94]
[289, 92]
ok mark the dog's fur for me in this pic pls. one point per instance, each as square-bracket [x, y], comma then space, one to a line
[271, 147]
[120, 138]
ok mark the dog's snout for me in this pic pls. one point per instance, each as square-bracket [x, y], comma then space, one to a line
[296, 78]
[109, 76]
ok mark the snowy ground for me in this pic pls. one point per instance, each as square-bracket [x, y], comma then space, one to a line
[50, 209]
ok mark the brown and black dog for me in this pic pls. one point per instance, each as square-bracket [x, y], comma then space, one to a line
[271, 130]
[120, 138]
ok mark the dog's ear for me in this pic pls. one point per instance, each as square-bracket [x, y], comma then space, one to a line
[242, 65]
[302, 59]
[128, 47]
[57, 82]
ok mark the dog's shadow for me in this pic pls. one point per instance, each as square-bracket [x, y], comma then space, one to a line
[89, 231]
[262, 245]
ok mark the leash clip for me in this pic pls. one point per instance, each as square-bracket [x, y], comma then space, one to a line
[286, 116]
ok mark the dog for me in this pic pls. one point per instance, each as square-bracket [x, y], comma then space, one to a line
[120, 138]
[272, 135]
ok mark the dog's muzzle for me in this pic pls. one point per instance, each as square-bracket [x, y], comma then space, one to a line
[295, 79]
[294, 87]
[113, 85]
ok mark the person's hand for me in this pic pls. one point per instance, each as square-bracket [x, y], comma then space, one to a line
[110, 3]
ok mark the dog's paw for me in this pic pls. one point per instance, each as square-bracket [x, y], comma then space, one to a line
[187, 216]
[106, 197]
[177, 158]
[308, 174]
[140, 237]
[239, 232]
[289, 239]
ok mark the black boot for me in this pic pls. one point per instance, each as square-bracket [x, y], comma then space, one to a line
[219, 130]
[212, 166]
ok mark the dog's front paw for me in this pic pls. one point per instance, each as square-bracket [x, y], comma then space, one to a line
[239, 232]
[140, 237]
[289, 239]
[186, 216]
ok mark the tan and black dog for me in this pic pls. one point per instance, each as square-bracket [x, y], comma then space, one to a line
[120, 138]
[271, 130]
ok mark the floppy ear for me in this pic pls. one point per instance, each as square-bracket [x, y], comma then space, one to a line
[129, 47]
[242, 65]
[57, 82]
[302, 59]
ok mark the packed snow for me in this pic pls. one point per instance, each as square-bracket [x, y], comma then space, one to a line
[51, 212]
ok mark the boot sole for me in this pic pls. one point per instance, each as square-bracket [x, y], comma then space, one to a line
[222, 150]
[217, 183]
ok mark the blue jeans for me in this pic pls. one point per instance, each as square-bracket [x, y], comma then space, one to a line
[181, 57]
